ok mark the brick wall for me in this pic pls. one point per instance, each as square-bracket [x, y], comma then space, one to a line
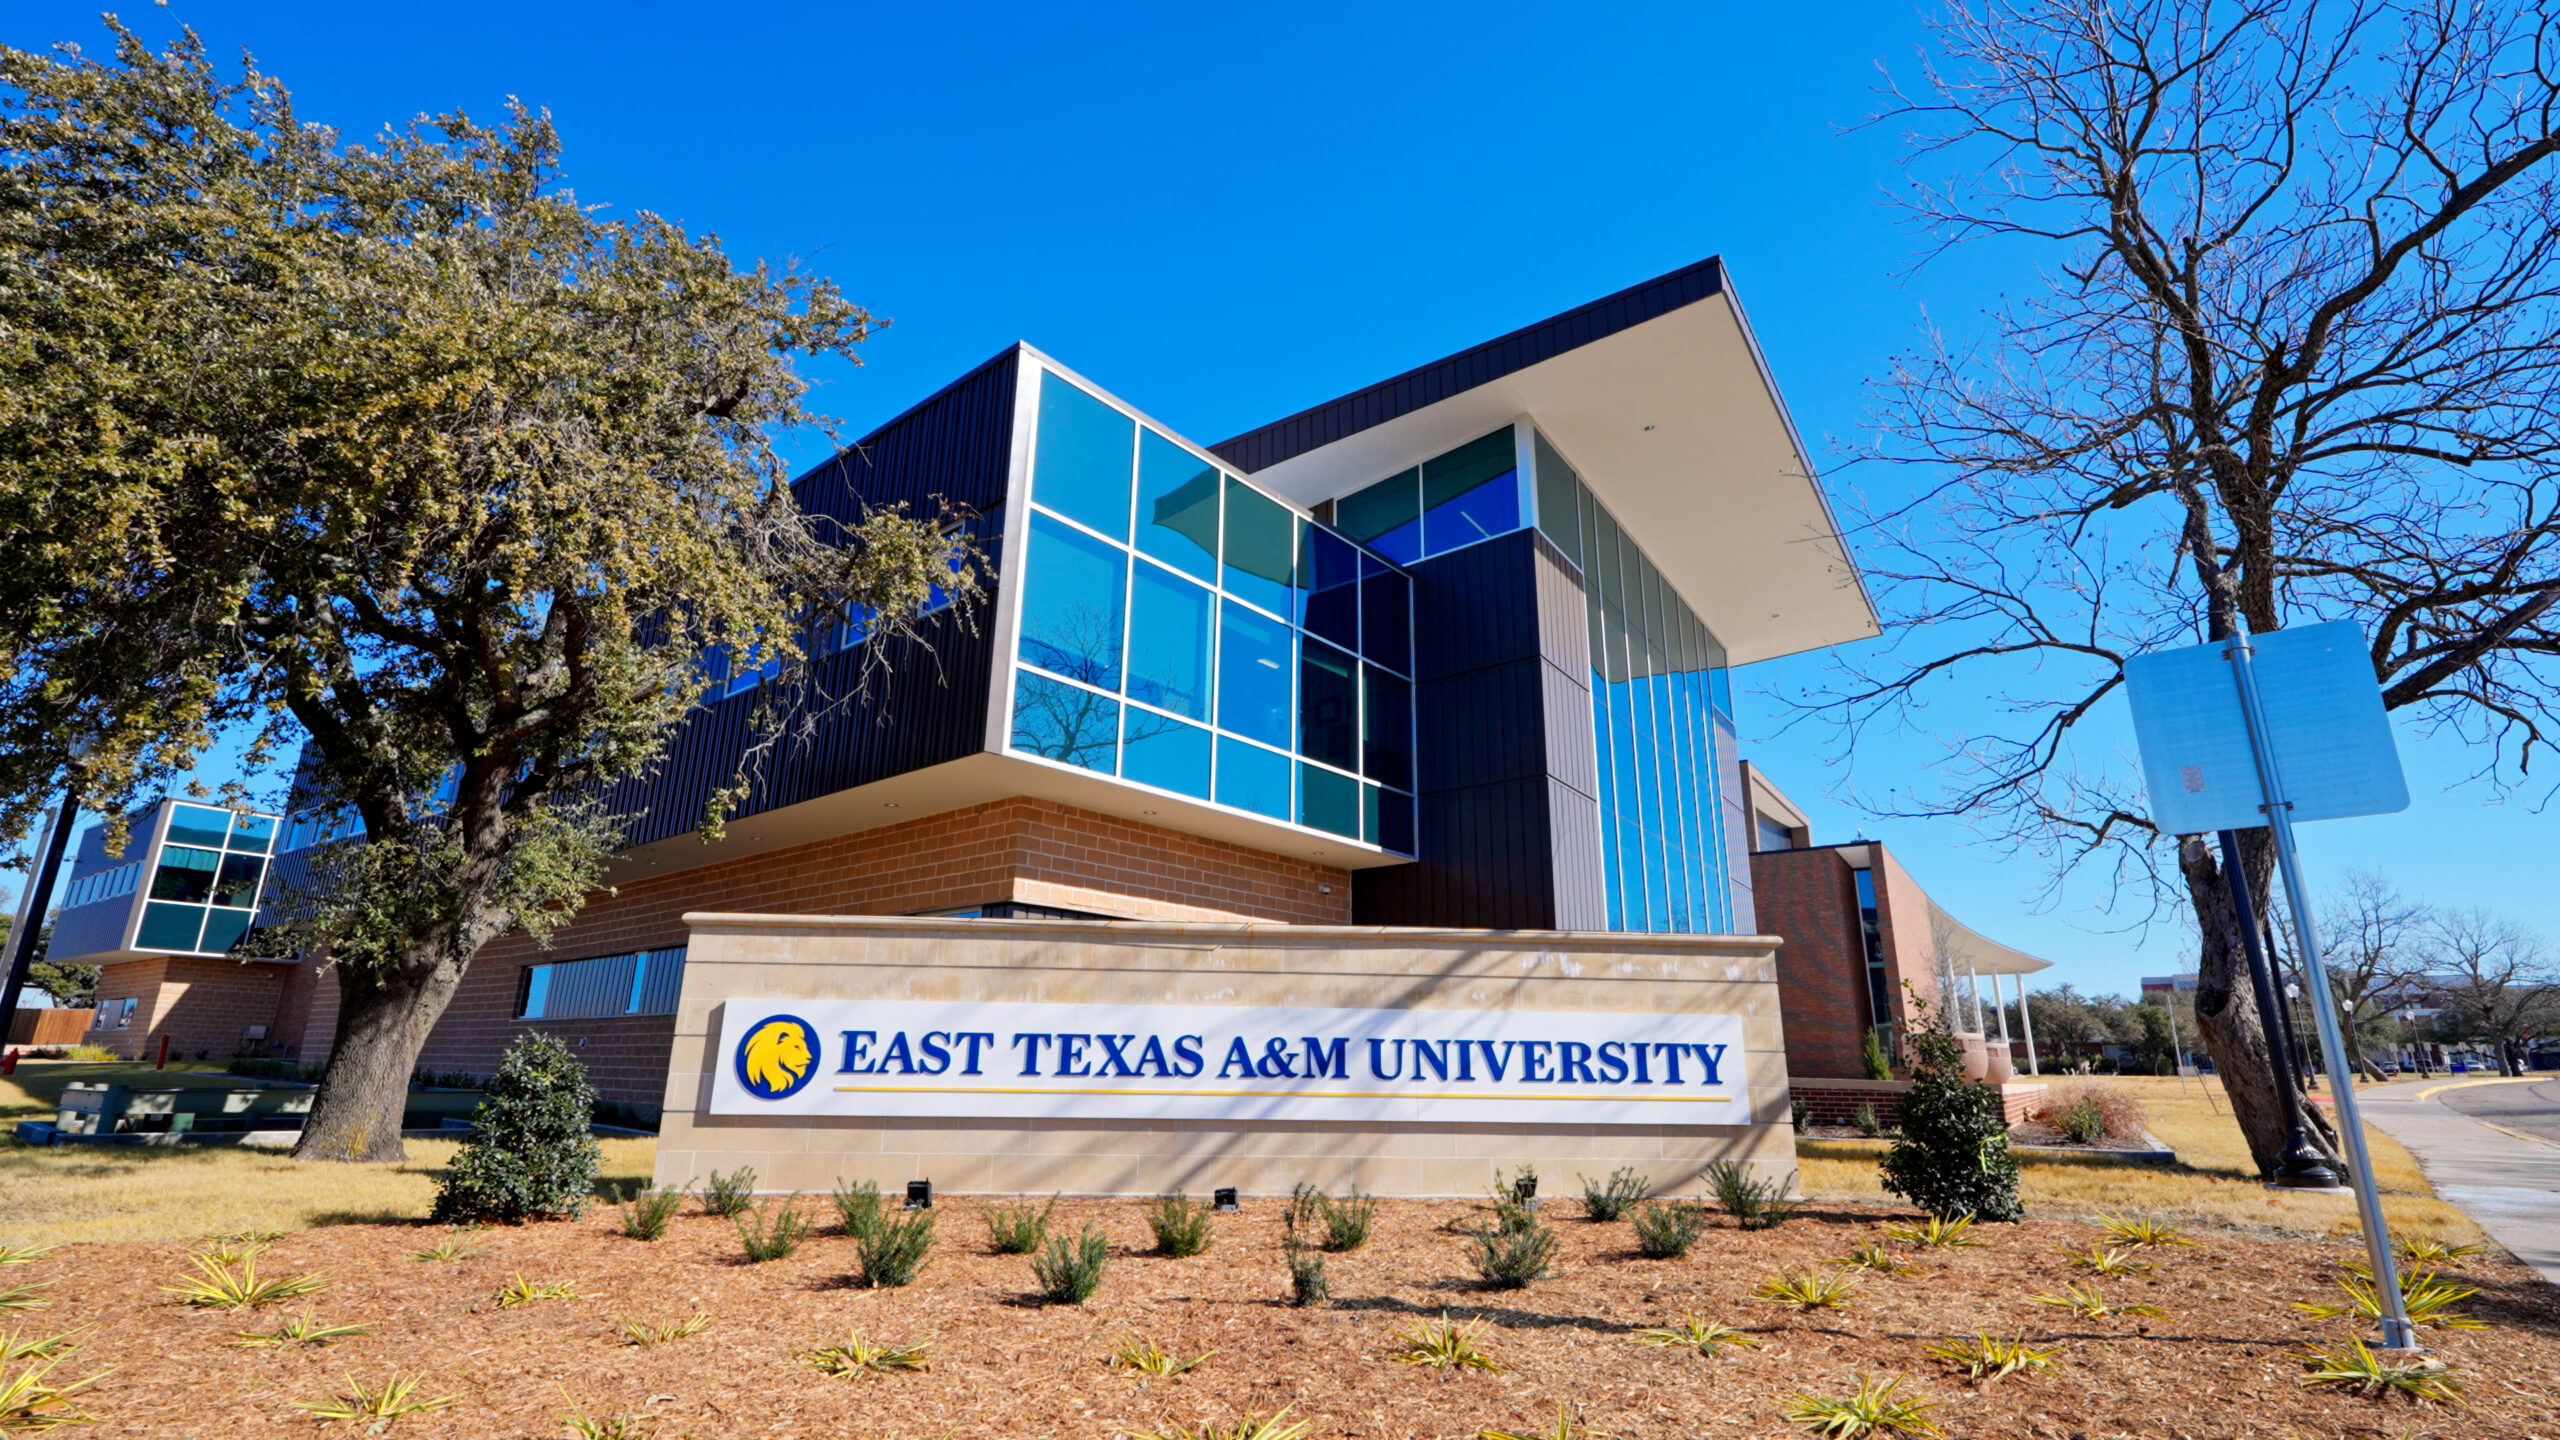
[202, 1005]
[1837, 1104]
[1809, 898]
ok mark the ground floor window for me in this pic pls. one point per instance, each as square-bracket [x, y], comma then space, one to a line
[644, 982]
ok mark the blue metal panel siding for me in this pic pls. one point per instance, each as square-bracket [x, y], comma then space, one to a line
[955, 445]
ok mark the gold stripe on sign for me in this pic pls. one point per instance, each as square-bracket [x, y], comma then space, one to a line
[1261, 1094]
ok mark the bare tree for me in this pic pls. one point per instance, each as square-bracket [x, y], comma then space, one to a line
[2493, 980]
[2375, 938]
[2292, 353]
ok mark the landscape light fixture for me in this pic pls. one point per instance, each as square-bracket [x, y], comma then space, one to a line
[1525, 1190]
[919, 1194]
[1223, 1200]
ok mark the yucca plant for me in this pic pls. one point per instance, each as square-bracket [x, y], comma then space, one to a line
[728, 1194]
[447, 1249]
[1694, 1332]
[2358, 1369]
[24, 1297]
[303, 1329]
[218, 1286]
[1069, 1271]
[583, 1426]
[383, 1404]
[30, 1401]
[2424, 1298]
[1440, 1345]
[1019, 1229]
[1988, 1357]
[1665, 1232]
[1873, 1256]
[1806, 1289]
[231, 1249]
[2131, 1231]
[771, 1232]
[520, 1291]
[894, 1250]
[664, 1331]
[1875, 1409]
[1252, 1425]
[853, 1357]
[1936, 1233]
[1181, 1225]
[650, 1212]
[24, 1254]
[1148, 1358]
[859, 1208]
[1611, 1199]
[2086, 1301]
[19, 1346]
[2428, 1251]
[2100, 1260]
[1568, 1426]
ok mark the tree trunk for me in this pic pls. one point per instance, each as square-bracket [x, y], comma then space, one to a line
[2227, 1008]
[383, 1021]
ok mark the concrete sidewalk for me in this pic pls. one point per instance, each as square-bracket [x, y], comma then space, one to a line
[2506, 1180]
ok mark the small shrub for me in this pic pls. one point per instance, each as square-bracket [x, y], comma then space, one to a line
[1864, 1118]
[1937, 1233]
[2087, 1114]
[1873, 1256]
[666, 1331]
[2081, 1122]
[447, 1249]
[382, 1404]
[1511, 1259]
[529, 1154]
[1954, 1157]
[772, 1233]
[1307, 1284]
[2358, 1369]
[1806, 1289]
[29, 1400]
[2099, 1260]
[895, 1250]
[1606, 1200]
[859, 1208]
[1874, 1410]
[1986, 1357]
[854, 1356]
[729, 1194]
[1181, 1226]
[1018, 1229]
[1336, 1226]
[2132, 1231]
[1873, 1062]
[1800, 1114]
[1665, 1232]
[1148, 1358]
[303, 1329]
[1252, 1425]
[1693, 1332]
[2424, 1298]
[1069, 1271]
[520, 1291]
[216, 1286]
[1439, 1345]
[1754, 1204]
[2086, 1301]
[647, 1216]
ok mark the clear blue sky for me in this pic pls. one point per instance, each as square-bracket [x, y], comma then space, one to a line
[1226, 213]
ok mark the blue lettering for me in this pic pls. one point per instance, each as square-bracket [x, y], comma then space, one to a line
[973, 1039]
[1154, 1055]
[1670, 1060]
[1434, 1053]
[1239, 1060]
[1643, 1076]
[1333, 1061]
[1711, 1057]
[1533, 1061]
[1031, 1057]
[1613, 1061]
[1573, 1064]
[855, 1043]
[1466, 1066]
[898, 1052]
[1378, 1060]
[937, 1055]
[1115, 1055]
[1276, 1063]
[1188, 1061]
[1071, 1053]
[1496, 1060]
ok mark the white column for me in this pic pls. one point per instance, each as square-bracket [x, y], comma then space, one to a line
[2000, 1010]
[2027, 1022]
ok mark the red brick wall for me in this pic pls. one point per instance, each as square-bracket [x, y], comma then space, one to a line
[202, 1005]
[1809, 898]
[1839, 1106]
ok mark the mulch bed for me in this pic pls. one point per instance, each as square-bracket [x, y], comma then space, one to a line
[2220, 1363]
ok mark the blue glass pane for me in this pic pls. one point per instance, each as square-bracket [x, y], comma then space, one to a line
[1177, 506]
[1071, 598]
[1328, 801]
[185, 874]
[199, 825]
[1386, 619]
[1161, 751]
[1488, 510]
[1331, 567]
[1387, 516]
[1262, 550]
[223, 928]
[1064, 722]
[1720, 691]
[1254, 666]
[1083, 466]
[1169, 620]
[1386, 729]
[1328, 705]
[169, 927]
[253, 832]
[238, 882]
[1252, 778]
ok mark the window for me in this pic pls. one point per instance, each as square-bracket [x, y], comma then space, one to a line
[1253, 675]
[1448, 502]
[1162, 751]
[1083, 467]
[1386, 728]
[104, 885]
[1177, 506]
[1065, 722]
[645, 982]
[1328, 800]
[1071, 604]
[1387, 515]
[1252, 778]
[205, 887]
[1776, 834]
[1331, 568]
[1169, 642]
[1328, 706]
[1261, 551]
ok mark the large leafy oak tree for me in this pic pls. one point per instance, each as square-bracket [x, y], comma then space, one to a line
[398, 450]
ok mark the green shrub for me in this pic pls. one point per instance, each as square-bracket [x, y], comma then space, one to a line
[1182, 1227]
[1800, 1114]
[1069, 1271]
[1018, 1229]
[1754, 1204]
[892, 1251]
[1864, 1118]
[772, 1236]
[529, 1154]
[1605, 1200]
[1510, 1259]
[1337, 1226]
[646, 1217]
[859, 1208]
[2081, 1122]
[1873, 1062]
[1953, 1158]
[728, 1194]
[1665, 1232]
[1307, 1285]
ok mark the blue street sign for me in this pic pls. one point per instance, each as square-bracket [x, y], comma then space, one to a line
[2333, 749]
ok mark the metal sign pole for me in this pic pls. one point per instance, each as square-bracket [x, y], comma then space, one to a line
[2397, 1333]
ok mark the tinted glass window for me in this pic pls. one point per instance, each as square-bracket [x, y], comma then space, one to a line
[1071, 603]
[186, 874]
[1262, 550]
[253, 832]
[1470, 494]
[1177, 506]
[197, 825]
[1165, 753]
[1386, 729]
[1252, 778]
[1254, 666]
[238, 882]
[1386, 609]
[1328, 801]
[1083, 467]
[1328, 705]
[1387, 516]
[1169, 620]
[1395, 823]
[1559, 508]
[169, 927]
[223, 928]
[1065, 722]
[1331, 568]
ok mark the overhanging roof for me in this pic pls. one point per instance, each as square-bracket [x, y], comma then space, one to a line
[1659, 397]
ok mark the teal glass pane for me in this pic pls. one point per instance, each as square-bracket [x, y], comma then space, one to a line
[1252, 778]
[1559, 508]
[1471, 494]
[237, 884]
[1169, 635]
[185, 874]
[1328, 800]
[1254, 666]
[1084, 464]
[1369, 813]
[1071, 603]
[1387, 516]
[223, 928]
[1262, 550]
[1328, 704]
[1161, 751]
[253, 832]
[199, 825]
[1177, 506]
[169, 927]
[1065, 722]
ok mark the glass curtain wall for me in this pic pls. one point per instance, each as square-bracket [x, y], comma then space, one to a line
[204, 887]
[1662, 716]
[1185, 631]
[1445, 503]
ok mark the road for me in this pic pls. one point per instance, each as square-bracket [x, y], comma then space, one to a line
[2490, 1147]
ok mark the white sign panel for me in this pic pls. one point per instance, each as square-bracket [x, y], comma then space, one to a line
[960, 1059]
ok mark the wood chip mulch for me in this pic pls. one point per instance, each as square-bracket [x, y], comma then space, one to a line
[2221, 1362]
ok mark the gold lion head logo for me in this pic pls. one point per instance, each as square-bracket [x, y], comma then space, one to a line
[775, 1057]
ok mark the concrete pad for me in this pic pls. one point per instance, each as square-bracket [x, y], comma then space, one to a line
[2507, 1181]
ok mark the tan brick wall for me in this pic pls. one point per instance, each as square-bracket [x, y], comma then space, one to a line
[201, 1005]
